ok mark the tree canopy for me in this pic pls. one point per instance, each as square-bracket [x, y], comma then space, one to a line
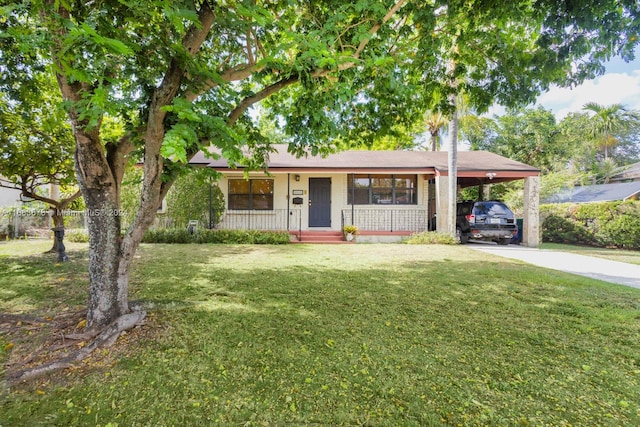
[36, 142]
[530, 136]
[574, 145]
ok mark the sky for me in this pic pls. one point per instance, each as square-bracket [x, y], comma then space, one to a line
[619, 85]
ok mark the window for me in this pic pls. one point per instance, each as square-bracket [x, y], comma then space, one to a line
[379, 189]
[252, 194]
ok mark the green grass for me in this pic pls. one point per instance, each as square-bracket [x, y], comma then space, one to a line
[340, 335]
[622, 255]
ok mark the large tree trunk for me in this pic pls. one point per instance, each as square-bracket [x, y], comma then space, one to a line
[99, 188]
[105, 306]
[100, 169]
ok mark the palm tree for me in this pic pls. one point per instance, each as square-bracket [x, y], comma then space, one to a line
[608, 121]
[607, 169]
[435, 122]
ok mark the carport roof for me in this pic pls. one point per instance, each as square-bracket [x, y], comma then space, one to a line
[473, 166]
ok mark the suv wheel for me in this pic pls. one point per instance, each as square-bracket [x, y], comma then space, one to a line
[461, 237]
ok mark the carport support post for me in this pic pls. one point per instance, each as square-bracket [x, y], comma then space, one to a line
[531, 220]
[442, 204]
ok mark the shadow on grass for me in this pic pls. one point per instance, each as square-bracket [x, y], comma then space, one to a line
[38, 283]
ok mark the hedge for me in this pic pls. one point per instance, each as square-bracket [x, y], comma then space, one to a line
[181, 235]
[603, 224]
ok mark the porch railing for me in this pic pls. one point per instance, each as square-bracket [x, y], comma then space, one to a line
[387, 219]
[277, 219]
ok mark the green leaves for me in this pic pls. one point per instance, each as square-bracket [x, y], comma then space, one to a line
[182, 134]
[184, 110]
[180, 18]
[36, 142]
[84, 31]
[176, 140]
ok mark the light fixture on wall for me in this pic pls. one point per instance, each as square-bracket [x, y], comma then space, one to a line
[491, 175]
[297, 177]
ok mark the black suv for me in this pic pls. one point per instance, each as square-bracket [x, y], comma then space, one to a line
[485, 220]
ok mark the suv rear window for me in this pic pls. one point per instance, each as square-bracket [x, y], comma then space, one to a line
[492, 209]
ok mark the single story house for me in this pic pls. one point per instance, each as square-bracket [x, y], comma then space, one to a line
[386, 194]
[599, 193]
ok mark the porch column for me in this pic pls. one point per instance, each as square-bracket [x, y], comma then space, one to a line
[442, 204]
[531, 226]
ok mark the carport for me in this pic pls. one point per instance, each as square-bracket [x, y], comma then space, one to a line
[482, 168]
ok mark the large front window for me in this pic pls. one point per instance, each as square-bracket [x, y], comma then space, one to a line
[380, 189]
[251, 194]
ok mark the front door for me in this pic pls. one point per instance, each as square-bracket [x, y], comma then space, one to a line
[319, 202]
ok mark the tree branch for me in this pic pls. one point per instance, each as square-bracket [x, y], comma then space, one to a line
[258, 44]
[116, 157]
[264, 93]
[250, 57]
[65, 202]
[269, 90]
[243, 71]
[192, 42]
[30, 193]
[5, 183]
[376, 27]
[237, 73]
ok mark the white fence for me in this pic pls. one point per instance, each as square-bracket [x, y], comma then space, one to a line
[16, 222]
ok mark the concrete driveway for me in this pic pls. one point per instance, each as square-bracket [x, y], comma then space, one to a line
[596, 268]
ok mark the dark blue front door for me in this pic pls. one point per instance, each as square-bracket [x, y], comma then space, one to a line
[319, 202]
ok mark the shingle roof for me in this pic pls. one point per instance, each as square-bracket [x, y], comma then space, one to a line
[598, 193]
[470, 161]
[631, 172]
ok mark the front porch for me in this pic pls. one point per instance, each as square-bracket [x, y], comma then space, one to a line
[376, 225]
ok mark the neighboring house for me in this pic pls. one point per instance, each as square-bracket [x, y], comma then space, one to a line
[385, 193]
[630, 173]
[599, 193]
[9, 196]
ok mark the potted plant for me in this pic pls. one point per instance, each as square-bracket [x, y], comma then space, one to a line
[349, 232]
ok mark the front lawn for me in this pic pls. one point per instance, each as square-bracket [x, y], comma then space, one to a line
[364, 334]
